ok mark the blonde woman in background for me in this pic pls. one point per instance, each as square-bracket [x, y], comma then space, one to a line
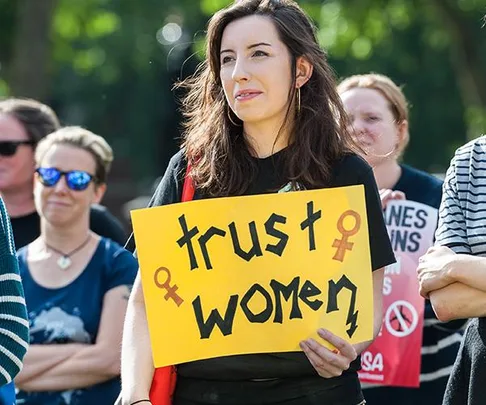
[378, 112]
[76, 283]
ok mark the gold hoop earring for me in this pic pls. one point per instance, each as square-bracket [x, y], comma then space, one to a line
[298, 100]
[228, 113]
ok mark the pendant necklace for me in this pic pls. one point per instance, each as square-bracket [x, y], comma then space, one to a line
[65, 260]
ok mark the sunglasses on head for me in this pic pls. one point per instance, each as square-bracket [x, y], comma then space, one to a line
[9, 148]
[77, 180]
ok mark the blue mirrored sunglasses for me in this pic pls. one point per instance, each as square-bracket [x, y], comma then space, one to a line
[77, 180]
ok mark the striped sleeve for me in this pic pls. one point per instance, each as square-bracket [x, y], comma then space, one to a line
[451, 229]
[14, 326]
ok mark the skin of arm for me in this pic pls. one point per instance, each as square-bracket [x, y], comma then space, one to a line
[137, 368]
[91, 364]
[331, 363]
[454, 283]
[378, 276]
[40, 358]
[458, 301]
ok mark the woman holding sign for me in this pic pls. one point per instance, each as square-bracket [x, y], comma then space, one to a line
[378, 111]
[76, 283]
[263, 116]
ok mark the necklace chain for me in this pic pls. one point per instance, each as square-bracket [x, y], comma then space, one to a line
[64, 261]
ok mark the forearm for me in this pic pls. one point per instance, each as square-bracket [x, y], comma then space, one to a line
[89, 366]
[377, 322]
[41, 358]
[377, 310]
[137, 364]
[471, 271]
[458, 301]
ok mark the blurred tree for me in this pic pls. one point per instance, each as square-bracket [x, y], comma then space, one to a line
[467, 56]
[27, 70]
[112, 65]
[448, 30]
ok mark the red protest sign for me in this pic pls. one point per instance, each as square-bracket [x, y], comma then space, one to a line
[394, 357]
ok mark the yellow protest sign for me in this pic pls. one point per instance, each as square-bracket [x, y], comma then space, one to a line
[254, 274]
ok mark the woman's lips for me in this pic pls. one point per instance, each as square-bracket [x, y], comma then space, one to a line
[247, 95]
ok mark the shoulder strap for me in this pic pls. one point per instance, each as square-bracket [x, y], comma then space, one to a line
[188, 186]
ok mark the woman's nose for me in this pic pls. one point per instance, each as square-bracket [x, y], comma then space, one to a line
[61, 186]
[358, 125]
[240, 71]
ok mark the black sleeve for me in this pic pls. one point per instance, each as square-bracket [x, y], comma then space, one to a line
[105, 224]
[380, 247]
[168, 191]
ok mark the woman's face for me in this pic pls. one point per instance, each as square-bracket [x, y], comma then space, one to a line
[255, 70]
[16, 171]
[373, 123]
[59, 205]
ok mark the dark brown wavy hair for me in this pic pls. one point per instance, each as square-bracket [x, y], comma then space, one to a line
[215, 147]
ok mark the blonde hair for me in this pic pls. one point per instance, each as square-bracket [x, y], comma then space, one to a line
[83, 139]
[387, 88]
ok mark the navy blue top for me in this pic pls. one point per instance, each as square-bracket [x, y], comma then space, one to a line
[72, 314]
[419, 186]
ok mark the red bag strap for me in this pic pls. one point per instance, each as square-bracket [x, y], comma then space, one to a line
[188, 186]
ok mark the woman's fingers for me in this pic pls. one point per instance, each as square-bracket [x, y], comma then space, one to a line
[328, 364]
[398, 195]
[387, 195]
[344, 348]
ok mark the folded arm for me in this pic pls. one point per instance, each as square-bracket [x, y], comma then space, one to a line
[458, 301]
[41, 358]
[89, 364]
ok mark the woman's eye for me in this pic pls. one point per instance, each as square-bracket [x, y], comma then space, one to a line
[373, 118]
[259, 53]
[226, 59]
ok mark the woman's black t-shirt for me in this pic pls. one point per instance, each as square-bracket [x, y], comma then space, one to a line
[288, 373]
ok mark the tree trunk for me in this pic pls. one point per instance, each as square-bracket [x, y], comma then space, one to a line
[28, 70]
[468, 66]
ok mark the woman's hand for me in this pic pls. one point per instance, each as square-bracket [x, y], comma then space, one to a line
[387, 195]
[434, 269]
[329, 363]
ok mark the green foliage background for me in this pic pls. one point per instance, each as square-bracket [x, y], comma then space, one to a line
[108, 68]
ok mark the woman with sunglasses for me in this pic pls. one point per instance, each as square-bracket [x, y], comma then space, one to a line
[76, 283]
[23, 123]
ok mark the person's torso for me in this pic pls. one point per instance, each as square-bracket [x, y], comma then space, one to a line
[285, 375]
[70, 314]
[269, 179]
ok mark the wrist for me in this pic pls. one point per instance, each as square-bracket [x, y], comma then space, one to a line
[136, 401]
[144, 401]
[452, 271]
[469, 268]
[136, 397]
[462, 266]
